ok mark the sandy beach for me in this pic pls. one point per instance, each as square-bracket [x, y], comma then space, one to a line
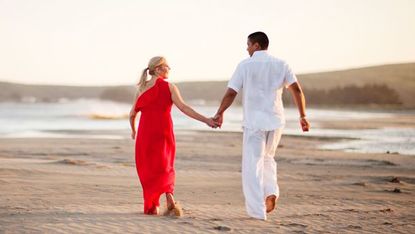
[91, 186]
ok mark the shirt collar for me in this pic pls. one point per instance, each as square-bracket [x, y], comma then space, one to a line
[259, 53]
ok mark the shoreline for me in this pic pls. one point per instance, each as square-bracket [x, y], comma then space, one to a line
[337, 134]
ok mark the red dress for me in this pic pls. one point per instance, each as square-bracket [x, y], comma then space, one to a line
[155, 144]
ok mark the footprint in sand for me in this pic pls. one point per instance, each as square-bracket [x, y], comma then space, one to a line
[295, 225]
[223, 228]
[395, 180]
[363, 184]
[395, 190]
[354, 227]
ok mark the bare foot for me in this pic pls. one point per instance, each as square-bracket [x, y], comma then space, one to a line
[170, 201]
[154, 211]
[173, 208]
[270, 202]
[176, 211]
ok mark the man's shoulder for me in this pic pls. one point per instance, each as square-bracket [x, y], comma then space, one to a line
[243, 62]
[278, 60]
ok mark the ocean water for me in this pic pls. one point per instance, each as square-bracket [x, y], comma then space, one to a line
[105, 119]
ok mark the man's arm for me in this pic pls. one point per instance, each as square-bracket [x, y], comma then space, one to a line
[227, 101]
[299, 99]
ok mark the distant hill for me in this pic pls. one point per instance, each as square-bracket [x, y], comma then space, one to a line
[399, 77]
[393, 85]
[16, 92]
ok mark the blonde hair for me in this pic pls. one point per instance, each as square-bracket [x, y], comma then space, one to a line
[152, 64]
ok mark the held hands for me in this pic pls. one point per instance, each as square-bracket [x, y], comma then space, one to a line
[305, 125]
[219, 119]
[212, 123]
[215, 121]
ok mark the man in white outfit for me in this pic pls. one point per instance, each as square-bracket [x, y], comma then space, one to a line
[262, 78]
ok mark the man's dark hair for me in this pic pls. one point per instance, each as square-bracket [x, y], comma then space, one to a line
[259, 37]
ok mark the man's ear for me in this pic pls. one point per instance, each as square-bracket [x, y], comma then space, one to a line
[257, 46]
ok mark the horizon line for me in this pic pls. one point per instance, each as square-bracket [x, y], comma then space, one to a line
[206, 80]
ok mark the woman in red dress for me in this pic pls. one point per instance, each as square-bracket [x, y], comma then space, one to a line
[155, 143]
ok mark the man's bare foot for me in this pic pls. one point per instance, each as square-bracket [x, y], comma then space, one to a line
[270, 203]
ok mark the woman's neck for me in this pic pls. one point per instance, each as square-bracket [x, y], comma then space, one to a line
[154, 78]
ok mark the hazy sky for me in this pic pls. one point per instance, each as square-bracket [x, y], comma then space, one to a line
[106, 42]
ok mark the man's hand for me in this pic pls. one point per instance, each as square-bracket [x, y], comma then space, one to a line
[305, 125]
[219, 119]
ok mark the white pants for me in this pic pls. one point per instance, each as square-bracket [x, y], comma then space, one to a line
[259, 169]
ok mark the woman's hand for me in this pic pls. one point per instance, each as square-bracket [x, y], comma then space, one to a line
[133, 133]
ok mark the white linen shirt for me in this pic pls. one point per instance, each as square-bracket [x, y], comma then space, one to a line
[262, 78]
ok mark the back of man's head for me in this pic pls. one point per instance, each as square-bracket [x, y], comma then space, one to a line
[260, 38]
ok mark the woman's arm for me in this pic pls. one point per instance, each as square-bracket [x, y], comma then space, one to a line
[133, 115]
[183, 107]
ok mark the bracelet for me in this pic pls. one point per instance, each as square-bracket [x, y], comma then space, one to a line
[302, 117]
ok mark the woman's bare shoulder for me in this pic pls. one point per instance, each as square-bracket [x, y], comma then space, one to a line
[172, 87]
